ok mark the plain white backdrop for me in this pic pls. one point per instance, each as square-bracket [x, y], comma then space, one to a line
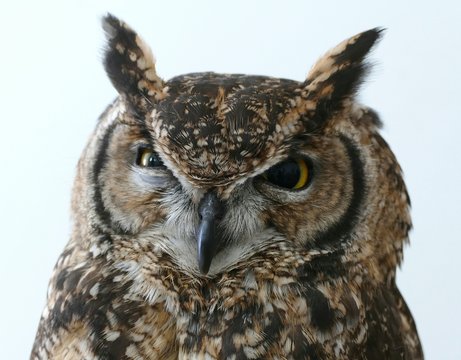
[53, 87]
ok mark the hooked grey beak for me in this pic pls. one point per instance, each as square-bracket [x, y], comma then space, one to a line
[211, 210]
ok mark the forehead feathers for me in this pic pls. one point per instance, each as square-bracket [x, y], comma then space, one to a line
[219, 127]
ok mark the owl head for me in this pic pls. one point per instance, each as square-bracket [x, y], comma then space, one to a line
[211, 170]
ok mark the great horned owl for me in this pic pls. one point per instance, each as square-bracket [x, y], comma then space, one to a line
[223, 216]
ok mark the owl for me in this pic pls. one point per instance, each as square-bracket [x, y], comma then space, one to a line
[228, 216]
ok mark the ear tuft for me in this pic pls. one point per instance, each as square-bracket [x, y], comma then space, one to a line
[129, 63]
[337, 75]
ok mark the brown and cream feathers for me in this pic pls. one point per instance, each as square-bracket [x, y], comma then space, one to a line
[221, 216]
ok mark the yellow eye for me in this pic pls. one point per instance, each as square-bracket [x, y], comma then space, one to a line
[148, 158]
[291, 174]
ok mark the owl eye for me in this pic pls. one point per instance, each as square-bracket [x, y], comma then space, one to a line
[291, 174]
[148, 158]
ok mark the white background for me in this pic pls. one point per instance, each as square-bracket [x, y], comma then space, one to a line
[53, 87]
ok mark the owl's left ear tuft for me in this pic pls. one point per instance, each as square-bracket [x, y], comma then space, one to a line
[129, 63]
[337, 75]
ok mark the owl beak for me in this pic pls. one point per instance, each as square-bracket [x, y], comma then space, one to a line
[211, 210]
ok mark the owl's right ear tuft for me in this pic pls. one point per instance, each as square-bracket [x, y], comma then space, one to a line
[129, 63]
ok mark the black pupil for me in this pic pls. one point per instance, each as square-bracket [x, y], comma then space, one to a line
[285, 174]
[148, 158]
[154, 160]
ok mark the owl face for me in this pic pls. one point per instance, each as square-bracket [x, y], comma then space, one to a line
[214, 168]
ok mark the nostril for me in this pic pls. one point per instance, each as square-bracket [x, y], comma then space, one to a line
[220, 215]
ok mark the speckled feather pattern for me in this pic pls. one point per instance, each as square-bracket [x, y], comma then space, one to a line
[299, 274]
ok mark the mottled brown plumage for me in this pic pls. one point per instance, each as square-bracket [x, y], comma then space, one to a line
[221, 216]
